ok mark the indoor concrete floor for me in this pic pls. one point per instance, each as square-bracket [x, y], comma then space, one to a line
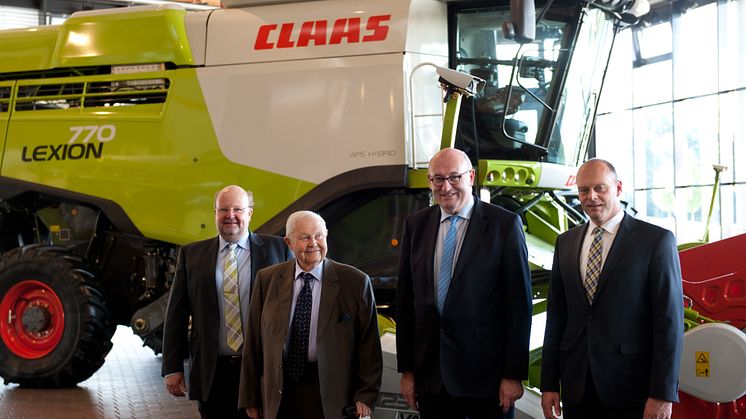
[128, 385]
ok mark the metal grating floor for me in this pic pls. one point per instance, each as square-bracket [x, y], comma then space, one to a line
[128, 385]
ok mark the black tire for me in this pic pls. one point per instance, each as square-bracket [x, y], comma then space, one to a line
[74, 345]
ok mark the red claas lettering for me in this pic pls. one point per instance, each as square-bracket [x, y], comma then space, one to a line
[316, 33]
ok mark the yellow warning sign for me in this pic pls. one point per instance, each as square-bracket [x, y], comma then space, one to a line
[702, 366]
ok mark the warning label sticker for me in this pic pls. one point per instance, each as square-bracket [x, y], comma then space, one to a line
[702, 365]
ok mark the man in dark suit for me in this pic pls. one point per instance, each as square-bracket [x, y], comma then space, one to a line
[614, 329]
[313, 348]
[212, 285]
[463, 301]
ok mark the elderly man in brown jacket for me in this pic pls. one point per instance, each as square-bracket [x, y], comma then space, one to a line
[312, 345]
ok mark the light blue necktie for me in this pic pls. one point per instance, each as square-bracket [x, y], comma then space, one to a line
[446, 262]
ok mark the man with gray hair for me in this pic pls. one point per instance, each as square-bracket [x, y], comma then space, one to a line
[312, 349]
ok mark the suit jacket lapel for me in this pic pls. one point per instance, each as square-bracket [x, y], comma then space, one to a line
[621, 241]
[575, 249]
[256, 253]
[474, 232]
[284, 296]
[329, 291]
[429, 238]
[208, 274]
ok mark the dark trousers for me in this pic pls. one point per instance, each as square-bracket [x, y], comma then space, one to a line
[445, 406]
[302, 399]
[592, 407]
[223, 399]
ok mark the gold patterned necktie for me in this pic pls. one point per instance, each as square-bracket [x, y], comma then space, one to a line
[593, 268]
[231, 306]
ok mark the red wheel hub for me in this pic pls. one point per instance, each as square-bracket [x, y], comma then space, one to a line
[32, 319]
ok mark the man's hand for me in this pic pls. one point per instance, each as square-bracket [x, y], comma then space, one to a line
[510, 391]
[175, 384]
[406, 387]
[362, 409]
[253, 412]
[550, 400]
[657, 409]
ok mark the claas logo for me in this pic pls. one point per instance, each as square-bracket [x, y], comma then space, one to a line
[320, 32]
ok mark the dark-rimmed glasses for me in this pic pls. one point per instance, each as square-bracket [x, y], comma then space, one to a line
[438, 180]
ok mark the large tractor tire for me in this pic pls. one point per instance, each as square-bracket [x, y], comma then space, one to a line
[55, 329]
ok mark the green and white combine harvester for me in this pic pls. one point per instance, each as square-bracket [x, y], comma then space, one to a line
[119, 125]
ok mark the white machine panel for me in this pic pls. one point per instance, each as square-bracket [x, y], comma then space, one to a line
[307, 30]
[288, 85]
[713, 364]
[285, 118]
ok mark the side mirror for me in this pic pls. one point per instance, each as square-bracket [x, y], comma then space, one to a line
[522, 27]
[463, 82]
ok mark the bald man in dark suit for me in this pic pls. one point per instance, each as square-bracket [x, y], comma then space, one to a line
[198, 293]
[614, 330]
[463, 320]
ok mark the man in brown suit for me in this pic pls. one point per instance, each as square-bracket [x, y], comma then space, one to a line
[312, 343]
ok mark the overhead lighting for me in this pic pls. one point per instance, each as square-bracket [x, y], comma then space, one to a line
[185, 5]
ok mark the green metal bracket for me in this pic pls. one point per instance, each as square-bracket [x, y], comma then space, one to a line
[450, 120]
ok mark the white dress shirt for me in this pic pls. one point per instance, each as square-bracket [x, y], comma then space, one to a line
[244, 288]
[317, 273]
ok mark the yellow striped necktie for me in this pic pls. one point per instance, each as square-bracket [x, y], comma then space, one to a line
[231, 306]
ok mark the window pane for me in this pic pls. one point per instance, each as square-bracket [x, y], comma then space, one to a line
[692, 207]
[733, 135]
[653, 145]
[651, 83]
[696, 146]
[732, 47]
[733, 202]
[616, 94]
[654, 40]
[18, 17]
[614, 143]
[695, 55]
[656, 206]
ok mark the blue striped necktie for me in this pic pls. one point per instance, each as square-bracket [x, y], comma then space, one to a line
[446, 262]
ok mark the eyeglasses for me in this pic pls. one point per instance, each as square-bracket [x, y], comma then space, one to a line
[237, 210]
[438, 180]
